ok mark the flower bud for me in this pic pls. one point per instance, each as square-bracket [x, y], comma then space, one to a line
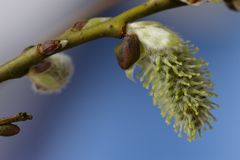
[128, 52]
[52, 74]
[52, 46]
[79, 25]
[178, 82]
[9, 130]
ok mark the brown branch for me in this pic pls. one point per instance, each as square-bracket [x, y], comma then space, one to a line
[22, 116]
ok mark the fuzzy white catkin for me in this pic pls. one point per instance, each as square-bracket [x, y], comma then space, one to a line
[55, 77]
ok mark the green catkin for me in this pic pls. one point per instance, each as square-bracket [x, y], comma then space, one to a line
[178, 82]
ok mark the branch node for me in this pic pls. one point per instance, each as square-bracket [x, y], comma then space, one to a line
[8, 129]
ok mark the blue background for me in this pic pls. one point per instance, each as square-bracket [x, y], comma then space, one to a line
[102, 115]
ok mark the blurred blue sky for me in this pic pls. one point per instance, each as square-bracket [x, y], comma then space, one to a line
[102, 115]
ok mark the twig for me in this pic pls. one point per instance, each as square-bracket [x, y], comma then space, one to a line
[22, 116]
[115, 27]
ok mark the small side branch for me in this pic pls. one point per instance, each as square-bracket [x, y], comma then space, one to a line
[22, 116]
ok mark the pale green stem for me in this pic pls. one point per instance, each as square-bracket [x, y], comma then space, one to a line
[115, 27]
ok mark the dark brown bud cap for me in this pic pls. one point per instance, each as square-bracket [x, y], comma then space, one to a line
[52, 46]
[9, 130]
[128, 52]
[42, 66]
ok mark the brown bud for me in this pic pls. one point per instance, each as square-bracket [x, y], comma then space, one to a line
[128, 52]
[42, 66]
[79, 25]
[9, 130]
[52, 46]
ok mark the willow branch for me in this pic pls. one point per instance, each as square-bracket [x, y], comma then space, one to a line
[115, 27]
[22, 116]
